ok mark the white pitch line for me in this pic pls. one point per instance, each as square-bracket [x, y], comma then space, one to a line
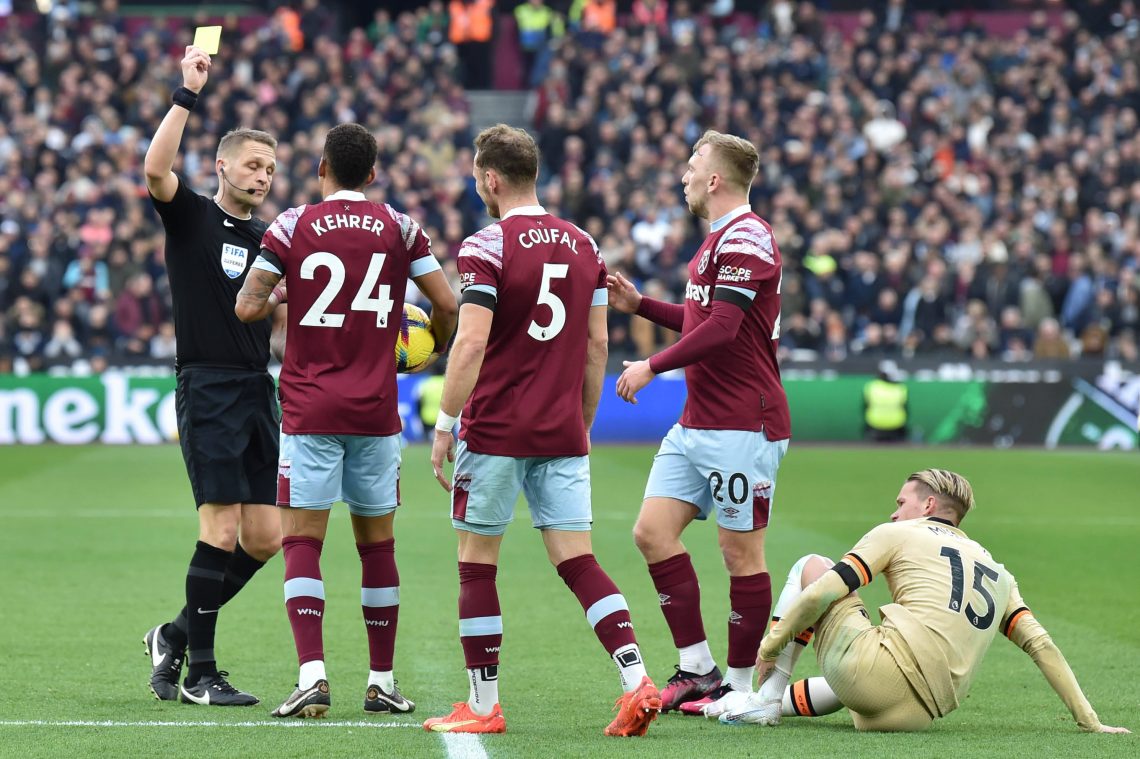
[463, 746]
[114, 723]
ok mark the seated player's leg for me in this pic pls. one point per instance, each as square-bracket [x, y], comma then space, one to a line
[810, 697]
[740, 468]
[879, 697]
[803, 573]
[484, 491]
[771, 701]
[863, 673]
[558, 493]
[675, 495]
[311, 467]
[371, 488]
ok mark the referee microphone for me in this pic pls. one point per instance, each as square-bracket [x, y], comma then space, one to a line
[239, 189]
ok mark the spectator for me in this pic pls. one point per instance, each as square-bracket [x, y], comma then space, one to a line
[163, 345]
[63, 345]
[931, 165]
[594, 20]
[137, 312]
[471, 28]
[538, 24]
[1050, 344]
[651, 14]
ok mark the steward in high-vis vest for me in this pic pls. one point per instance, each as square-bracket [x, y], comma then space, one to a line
[885, 409]
[470, 29]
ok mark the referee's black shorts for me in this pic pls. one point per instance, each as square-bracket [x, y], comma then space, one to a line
[229, 429]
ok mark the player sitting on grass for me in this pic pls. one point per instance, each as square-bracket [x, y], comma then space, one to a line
[950, 600]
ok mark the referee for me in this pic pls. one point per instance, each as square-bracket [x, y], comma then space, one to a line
[226, 407]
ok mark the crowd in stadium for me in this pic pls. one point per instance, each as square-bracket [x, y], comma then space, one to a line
[934, 190]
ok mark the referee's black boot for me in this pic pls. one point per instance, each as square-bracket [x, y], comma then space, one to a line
[166, 665]
[215, 690]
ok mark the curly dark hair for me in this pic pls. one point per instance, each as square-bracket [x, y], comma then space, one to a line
[350, 154]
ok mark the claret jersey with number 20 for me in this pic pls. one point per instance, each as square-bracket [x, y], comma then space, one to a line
[739, 388]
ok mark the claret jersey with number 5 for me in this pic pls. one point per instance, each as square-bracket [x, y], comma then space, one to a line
[540, 275]
[346, 263]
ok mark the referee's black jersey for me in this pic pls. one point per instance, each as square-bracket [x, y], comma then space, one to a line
[208, 253]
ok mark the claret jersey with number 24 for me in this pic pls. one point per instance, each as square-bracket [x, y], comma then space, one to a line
[346, 262]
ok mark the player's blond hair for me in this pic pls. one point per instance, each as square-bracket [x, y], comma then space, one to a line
[736, 157]
[951, 489]
[235, 138]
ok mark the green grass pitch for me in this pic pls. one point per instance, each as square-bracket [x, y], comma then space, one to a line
[95, 541]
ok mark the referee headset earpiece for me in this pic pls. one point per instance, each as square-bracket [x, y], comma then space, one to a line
[231, 184]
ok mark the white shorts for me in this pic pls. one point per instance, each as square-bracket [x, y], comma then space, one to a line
[361, 470]
[485, 488]
[733, 471]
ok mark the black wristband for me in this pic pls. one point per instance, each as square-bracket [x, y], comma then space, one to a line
[185, 98]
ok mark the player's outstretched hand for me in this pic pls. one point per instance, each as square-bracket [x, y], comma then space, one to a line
[623, 295]
[194, 67]
[637, 375]
[442, 447]
[1115, 730]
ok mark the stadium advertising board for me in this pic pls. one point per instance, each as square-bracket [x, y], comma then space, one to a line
[1051, 408]
[111, 408]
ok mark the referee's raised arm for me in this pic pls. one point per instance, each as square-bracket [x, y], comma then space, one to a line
[159, 162]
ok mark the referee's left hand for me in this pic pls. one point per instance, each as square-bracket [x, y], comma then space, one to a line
[443, 446]
[195, 66]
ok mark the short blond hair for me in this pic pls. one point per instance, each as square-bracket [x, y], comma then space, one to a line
[952, 490]
[736, 157]
[233, 140]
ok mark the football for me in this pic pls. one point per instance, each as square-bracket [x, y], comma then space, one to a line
[415, 343]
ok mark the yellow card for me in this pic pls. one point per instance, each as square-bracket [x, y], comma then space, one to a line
[209, 38]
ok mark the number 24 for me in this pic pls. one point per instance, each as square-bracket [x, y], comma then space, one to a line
[318, 315]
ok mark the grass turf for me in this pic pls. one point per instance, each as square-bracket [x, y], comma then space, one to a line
[96, 539]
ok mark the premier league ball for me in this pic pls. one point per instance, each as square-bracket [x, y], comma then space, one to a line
[415, 343]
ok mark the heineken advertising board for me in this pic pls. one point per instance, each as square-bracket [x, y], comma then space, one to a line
[946, 406]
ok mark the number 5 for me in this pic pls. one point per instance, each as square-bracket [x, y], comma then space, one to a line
[546, 297]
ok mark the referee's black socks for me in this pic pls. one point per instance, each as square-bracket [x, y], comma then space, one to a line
[239, 570]
[205, 581]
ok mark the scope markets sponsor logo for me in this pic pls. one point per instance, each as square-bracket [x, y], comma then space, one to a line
[734, 274]
[74, 411]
